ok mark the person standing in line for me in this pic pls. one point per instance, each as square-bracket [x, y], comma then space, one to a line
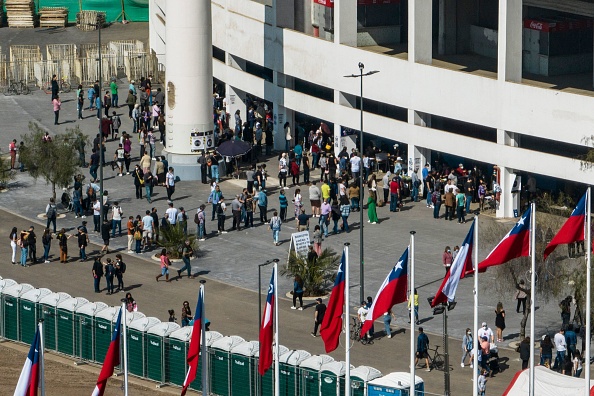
[221, 208]
[187, 253]
[318, 316]
[165, 263]
[57, 106]
[460, 203]
[106, 104]
[204, 168]
[275, 226]
[467, 345]
[46, 240]
[97, 215]
[109, 274]
[546, 351]
[116, 219]
[317, 240]
[561, 347]
[447, 258]
[283, 170]
[51, 212]
[97, 274]
[524, 349]
[83, 241]
[80, 102]
[105, 235]
[149, 180]
[62, 238]
[201, 217]
[186, 314]
[130, 227]
[236, 207]
[147, 229]
[345, 211]
[422, 348]
[371, 207]
[170, 184]
[120, 270]
[14, 237]
[113, 86]
[326, 209]
[156, 227]
[283, 204]
[297, 292]
[263, 205]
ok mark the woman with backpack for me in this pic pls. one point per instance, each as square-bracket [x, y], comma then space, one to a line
[275, 226]
[51, 212]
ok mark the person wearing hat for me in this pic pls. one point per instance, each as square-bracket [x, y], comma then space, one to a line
[485, 331]
[319, 313]
[398, 166]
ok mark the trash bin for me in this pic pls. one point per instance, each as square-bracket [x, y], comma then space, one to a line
[211, 337]
[4, 283]
[29, 313]
[156, 358]
[219, 364]
[360, 376]
[309, 383]
[48, 306]
[289, 372]
[10, 302]
[244, 369]
[332, 378]
[137, 344]
[397, 384]
[85, 331]
[67, 324]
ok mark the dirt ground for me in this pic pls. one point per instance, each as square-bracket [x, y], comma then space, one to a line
[63, 378]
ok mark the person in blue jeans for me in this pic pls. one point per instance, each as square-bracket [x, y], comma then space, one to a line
[297, 292]
[387, 321]
[83, 241]
[325, 212]
[345, 211]
[394, 192]
[46, 240]
[469, 193]
[275, 226]
[187, 253]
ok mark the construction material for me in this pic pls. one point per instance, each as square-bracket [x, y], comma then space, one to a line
[20, 13]
[53, 17]
[88, 20]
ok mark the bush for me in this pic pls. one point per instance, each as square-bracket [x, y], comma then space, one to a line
[173, 239]
[318, 276]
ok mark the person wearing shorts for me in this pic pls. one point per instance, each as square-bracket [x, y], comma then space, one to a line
[422, 348]
[164, 266]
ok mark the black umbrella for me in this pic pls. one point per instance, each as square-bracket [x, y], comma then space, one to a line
[234, 148]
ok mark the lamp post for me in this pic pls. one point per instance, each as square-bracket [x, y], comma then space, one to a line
[443, 309]
[101, 155]
[361, 248]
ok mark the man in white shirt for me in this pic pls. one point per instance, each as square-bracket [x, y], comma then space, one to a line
[355, 166]
[171, 214]
[147, 229]
[362, 314]
[485, 331]
[116, 219]
[561, 347]
[451, 186]
[96, 215]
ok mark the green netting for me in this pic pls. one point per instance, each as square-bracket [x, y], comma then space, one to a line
[72, 5]
[175, 367]
[65, 334]
[136, 10]
[155, 357]
[10, 318]
[219, 372]
[49, 326]
[136, 353]
[103, 328]
[242, 375]
[28, 320]
[85, 337]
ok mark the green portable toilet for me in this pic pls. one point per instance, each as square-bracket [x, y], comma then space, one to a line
[177, 350]
[360, 376]
[332, 378]
[67, 324]
[211, 337]
[104, 322]
[4, 283]
[396, 384]
[136, 337]
[49, 313]
[244, 369]
[288, 372]
[10, 302]
[85, 331]
[220, 373]
[155, 350]
[29, 313]
[309, 369]
[267, 382]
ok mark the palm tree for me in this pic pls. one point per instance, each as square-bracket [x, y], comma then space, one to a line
[318, 275]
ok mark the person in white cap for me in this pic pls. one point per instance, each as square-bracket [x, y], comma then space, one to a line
[485, 331]
[398, 166]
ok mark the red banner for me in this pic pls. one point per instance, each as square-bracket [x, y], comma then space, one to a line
[554, 26]
[326, 3]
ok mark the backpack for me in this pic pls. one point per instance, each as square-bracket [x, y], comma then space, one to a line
[220, 209]
[122, 267]
[434, 196]
[196, 219]
[116, 122]
[137, 235]
[51, 212]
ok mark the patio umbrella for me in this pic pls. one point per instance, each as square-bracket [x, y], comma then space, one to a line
[234, 148]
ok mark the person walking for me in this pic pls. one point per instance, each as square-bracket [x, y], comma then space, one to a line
[500, 321]
[97, 274]
[164, 266]
[14, 237]
[187, 253]
[422, 348]
[275, 226]
[51, 212]
[120, 270]
[170, 184]
[109, 274]
[57, 106]
[319, 313]
[467, 345]
[297, 292]
[46, 240]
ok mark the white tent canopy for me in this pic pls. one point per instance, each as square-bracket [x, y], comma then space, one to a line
[546, 383]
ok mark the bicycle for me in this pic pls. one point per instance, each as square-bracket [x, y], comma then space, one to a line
[356, 333]
[65, 86]
[437, 361]
[17, 88]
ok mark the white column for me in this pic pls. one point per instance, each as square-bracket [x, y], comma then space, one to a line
[418, 156]
[280, 115]
[188, 81]
[419, 31]
[509, 49]
[506, 178]
[345, 22]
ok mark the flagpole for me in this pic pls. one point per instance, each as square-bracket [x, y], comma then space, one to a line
[203, 344]
[124, 333]
[532, 291]
[41, 358]
[347, 346]
[476, 304]
[588, 305]
[412, 312]
[276, 340]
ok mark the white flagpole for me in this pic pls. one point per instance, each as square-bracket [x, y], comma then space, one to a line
[532, 292]
[476, 304]
[41, 358]
[588, 249]
[347, 320]
[276, 340]
[203, 352]
[411, 298]
[124, 333]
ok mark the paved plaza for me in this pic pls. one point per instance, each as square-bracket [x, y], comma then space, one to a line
[229, 262]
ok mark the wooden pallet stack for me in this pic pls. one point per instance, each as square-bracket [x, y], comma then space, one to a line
[20, 13]
[88, 20]
[53, 16]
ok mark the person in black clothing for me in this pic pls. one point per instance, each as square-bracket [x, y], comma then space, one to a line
[97, 274]
[138, 181]
[109, 273]
[32, 239]
[105, 235]
[55, 87]
[120, 269]
[318, 315]
[203, 167]
[312, 256]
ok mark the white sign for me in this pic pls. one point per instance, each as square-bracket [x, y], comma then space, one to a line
[300, 241]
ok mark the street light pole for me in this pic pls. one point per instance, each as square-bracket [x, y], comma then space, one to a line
[361, 184]
[101, 154]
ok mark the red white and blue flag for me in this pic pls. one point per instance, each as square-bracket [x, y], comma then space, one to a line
[112, 359]
[267, 330]
[29, 379]
[515, 244]
[573, 229]
[390, 293]
[461, 266]
[194, 351]
[332, 323]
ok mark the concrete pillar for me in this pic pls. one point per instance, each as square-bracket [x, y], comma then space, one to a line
[508, 201]
[419, 31]
[189, 81]
[446, 43]
[280, 115]
[509, 48]
[345, 22]
[418, 156]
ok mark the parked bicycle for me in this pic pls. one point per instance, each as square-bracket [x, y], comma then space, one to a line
[356, 333]
[65, 86]
[17, 88]
[437, 361]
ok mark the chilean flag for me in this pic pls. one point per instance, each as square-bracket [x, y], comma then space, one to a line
[267, 330]
[112, 359]
[391, 292]
[461, 266]
[194, 352]
[332, 323]
[572, 230]
[515, 244]
[29, 379]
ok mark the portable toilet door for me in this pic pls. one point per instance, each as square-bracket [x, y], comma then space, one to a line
[266, 383]
[156, 357]
[332, 378]
[10, 298]
[220, 364]
[243, 380]
[67, 324]
[176, 351]
[85, 331]
[289, 372]
[136, 337]
[29, 314]
[211, 338]
[397, 384]
[4, 283]
[104, 322]
[310, 374]
[360, 376]
[49, 313]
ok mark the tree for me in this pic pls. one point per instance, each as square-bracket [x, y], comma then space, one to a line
[6, 174]
[173, 239]
[55, 161]
[317, 275]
